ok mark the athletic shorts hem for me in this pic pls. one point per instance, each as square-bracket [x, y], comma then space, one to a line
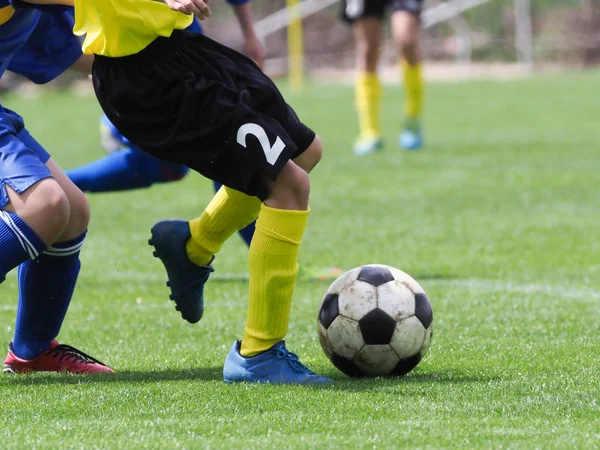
[22, 164]
[354, 10]
[4, 200]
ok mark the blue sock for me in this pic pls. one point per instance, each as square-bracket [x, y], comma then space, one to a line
[125, 169]
[45, 290]
[245, 233]
[17, 241]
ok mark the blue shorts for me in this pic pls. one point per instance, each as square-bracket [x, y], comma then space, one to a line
[22, 158]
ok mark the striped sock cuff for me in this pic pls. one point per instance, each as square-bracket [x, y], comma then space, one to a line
[67, 248]
[28, 239]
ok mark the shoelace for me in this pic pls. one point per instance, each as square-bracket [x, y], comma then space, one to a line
[293, 360]
[67, 352]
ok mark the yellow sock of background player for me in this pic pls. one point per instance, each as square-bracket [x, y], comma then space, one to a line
[413, 90]
[411, 137]
[273, 265]
[228, 212]
[368, 104]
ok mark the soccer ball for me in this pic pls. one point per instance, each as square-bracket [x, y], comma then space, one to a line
[375, 320]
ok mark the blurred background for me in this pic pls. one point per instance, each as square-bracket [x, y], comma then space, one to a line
[462, 39]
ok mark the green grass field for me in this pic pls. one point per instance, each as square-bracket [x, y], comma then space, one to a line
[497, 218]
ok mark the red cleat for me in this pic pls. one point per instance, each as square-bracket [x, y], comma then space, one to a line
[58, 358]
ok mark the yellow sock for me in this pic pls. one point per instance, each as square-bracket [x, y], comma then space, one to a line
[273, 271]
[228, 212]
[368, 100]
[413, 90]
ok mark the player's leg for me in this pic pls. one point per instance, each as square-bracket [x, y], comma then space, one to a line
[48, 218]
[273, 255]
[46, 284]
[367, 32]
[187, 249]
[367, 19]
[245, 233]
[306, 273]
[34, 210]
[262, 356]
[229, 211]
[406, 32]
[124, 168]
[232, 210]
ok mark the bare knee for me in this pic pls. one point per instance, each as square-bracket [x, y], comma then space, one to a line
[79, 208]
[45, 207]
[291, 189]
[367, 32]
[79, 217]
[406, 29]
[311, 156]
[367, 56]
[409, 49]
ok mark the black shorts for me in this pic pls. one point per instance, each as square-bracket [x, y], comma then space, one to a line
[189, 100]
[357, 9]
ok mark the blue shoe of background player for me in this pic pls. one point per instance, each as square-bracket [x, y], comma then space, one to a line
[275, 366]
[186, 279]
[411, 137]
[366, 146]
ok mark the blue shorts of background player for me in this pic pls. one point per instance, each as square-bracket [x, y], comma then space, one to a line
[127, 167]
[43, 216]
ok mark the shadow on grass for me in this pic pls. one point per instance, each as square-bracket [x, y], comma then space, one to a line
[125, 376]
[204, 374]
[447, 377]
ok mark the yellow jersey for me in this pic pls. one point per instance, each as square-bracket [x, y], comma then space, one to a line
[124, 27]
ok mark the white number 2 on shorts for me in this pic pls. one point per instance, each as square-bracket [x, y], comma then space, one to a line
[272, 152]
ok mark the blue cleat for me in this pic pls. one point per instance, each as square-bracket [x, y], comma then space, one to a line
[367, 146]
[411, 138]
[186, 279]
[276, 366]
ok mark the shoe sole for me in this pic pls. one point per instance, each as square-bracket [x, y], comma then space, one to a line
[8, 370]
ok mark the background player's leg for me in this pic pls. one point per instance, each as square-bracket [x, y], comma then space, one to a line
[125, 169]
[405, 30]
[245, 233]
[367, 33]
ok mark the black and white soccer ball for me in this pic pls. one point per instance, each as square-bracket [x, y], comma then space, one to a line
[375, 320]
